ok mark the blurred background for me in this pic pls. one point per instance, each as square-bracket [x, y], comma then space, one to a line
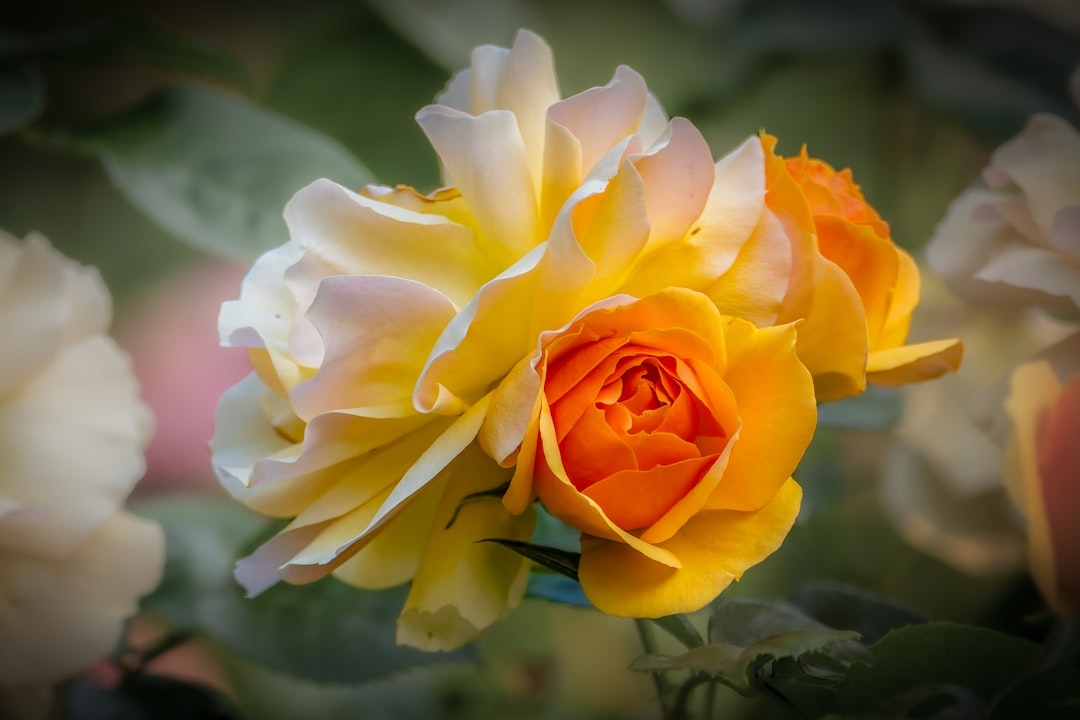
[159, 142]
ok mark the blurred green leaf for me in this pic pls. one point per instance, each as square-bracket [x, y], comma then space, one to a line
[326, 630]
[951, 662]
[136, 39]
[876, 408]
[22, 96]
[679, 63]
[680, 628]
[842, 605]
[213, 169]
[361, 84]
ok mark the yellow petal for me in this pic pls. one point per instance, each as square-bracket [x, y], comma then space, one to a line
[775, 398]
[912, 363]
[462, 585]
[714, 548]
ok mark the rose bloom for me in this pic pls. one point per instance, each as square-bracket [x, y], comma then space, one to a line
[1043, 475]
[380, 331]
[852, 235]
[73, 563]
[1016, 242]
[667, 434]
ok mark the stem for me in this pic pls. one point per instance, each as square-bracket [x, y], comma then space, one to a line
[648, 642]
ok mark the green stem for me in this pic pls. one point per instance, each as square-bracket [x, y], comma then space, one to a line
[648, 642]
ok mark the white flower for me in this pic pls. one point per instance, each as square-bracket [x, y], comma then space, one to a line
[73, 563]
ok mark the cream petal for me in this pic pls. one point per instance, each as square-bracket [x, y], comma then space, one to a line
[86, 405]
[58, 616]
[46, 301]
[1065, 235]
[377, 332]
[356, 235]
[486, 159]
[1034, 269]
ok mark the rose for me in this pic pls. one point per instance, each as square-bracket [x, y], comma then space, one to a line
[666, 434]
[1017, 241]
[851, 234]
[73, 563]
[1043, 477]
[339, 324]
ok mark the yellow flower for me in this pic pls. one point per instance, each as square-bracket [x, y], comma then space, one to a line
[667, 435]
[1043, 477]
[73, 563]
[332, 429]
[851, 235]
[1016, 242]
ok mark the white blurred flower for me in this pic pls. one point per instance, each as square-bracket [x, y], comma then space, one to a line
[73, 563]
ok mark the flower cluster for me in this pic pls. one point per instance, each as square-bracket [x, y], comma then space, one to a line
[73, 563]
[593, 313]
[1014, 242]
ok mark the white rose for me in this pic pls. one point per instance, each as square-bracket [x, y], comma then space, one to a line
[73, 563]
[1016, 242]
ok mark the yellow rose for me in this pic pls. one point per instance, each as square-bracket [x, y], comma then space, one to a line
[1016, 242]
[667, 435]
[1043, 476]
[332, 429]
[73, 563]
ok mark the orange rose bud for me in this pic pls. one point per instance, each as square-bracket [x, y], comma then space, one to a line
[852, 236]
[667, 434]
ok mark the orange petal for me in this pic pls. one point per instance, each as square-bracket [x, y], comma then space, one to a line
[1059, 469]
[634, 499]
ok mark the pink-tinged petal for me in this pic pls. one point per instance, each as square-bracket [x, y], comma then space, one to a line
[463, 585]
[1065, 234]
[714, 548]
[678, 175]
[377, 332]
[484, 156]
[776, 404]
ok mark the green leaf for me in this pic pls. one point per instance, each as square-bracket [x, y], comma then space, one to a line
[138, 40]
[213, 169]
[388, 81]
[846, 606]
[22, 96]
[714, 657]
[645, 36]
[326, 630]
[950, 662]
[554, 559]
[875, 408]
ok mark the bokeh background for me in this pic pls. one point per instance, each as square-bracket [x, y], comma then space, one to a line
[913, 95]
